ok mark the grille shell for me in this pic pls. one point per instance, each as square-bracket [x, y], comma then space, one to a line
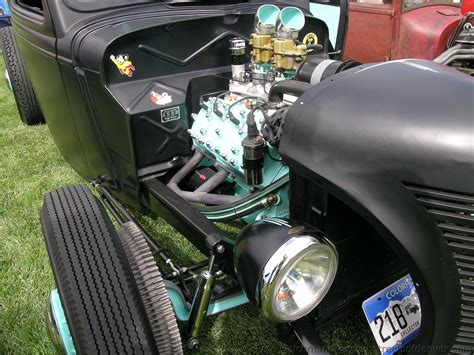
[453, 213]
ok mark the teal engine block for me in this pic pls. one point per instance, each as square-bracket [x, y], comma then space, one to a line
[218, 131]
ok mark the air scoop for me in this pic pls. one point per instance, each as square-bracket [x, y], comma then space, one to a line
[266, 19]
[290, 21]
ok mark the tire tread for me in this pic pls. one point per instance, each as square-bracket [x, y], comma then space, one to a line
[95, 282]
[28, 107]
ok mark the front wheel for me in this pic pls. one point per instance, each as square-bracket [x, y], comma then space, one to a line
[18, 81]
[98, 291]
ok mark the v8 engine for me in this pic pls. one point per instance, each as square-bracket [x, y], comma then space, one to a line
[236, 132]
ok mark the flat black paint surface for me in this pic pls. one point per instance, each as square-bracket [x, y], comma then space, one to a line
[362, 133]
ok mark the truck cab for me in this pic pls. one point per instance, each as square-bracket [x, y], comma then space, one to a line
[381, 30]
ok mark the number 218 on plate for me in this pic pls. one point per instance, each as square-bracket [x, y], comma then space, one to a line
[394, 315]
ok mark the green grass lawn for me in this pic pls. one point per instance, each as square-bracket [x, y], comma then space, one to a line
[31, 165]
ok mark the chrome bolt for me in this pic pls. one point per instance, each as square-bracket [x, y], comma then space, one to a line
[218, 131]
[193, 344]
[233, 150]
[216, 148]
[220, 249]
[208, 144]
[203, 131]
[232, 162]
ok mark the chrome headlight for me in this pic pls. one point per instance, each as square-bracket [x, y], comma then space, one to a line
[297, 277]
[284, 269]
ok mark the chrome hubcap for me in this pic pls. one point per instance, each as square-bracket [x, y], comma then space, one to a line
[7, 79]
[58, 329]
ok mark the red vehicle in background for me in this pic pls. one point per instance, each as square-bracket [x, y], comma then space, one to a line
[440, 30]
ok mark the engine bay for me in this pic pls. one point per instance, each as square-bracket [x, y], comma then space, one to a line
[236, 132]
[207, 118]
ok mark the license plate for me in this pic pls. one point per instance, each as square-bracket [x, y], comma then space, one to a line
[394, 315]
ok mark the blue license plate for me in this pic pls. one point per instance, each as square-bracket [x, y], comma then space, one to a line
[394, 315]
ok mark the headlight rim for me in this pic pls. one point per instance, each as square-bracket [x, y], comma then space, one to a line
[277, 267]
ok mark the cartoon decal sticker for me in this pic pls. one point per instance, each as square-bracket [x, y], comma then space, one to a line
[161, 99]
[123, 64]
[310, 38]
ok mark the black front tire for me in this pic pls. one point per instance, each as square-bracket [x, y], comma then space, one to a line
[28, 108]
[98, 292]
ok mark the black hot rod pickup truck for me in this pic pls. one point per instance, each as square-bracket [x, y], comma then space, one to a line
[353, 184]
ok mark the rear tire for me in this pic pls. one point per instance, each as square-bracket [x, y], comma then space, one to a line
[98, 292]
[28, 108]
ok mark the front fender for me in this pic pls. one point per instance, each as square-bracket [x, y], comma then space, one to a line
[397, 216]
[365, 134]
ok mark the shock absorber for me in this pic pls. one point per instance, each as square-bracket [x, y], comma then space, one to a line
[202, 298]
[199, 308]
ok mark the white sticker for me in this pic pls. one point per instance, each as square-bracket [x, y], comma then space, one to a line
[161, 99]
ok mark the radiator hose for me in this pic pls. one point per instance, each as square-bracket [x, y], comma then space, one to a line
[291, 87]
